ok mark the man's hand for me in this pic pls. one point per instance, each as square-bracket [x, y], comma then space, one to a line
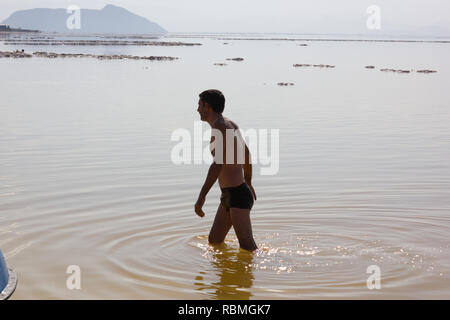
[213, 174]
[198, 207]
[253, 190]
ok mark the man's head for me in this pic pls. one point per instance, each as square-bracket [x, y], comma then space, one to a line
[211, 101]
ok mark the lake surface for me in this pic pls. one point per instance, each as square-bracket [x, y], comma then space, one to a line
[86, 176]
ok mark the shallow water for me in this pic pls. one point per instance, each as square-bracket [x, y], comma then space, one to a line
[86, 176]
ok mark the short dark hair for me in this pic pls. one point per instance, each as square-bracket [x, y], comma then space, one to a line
[214, 98]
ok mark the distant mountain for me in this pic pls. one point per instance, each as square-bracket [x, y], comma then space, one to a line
[111, 19]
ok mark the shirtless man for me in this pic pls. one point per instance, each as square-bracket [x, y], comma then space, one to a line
[235, 179]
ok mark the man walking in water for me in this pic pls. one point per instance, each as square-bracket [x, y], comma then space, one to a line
[235, 178]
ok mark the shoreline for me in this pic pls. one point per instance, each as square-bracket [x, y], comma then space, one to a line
[310, 37]
[48, 42]
[245, 36]
[52, 55]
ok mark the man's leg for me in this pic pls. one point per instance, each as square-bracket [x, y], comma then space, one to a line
[243, 228]
[221, 226]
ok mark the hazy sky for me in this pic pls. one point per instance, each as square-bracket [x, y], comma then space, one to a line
[290, 16]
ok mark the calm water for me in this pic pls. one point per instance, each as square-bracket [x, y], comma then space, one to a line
[86, 176]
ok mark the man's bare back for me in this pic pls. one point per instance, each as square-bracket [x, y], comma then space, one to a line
[231, 174]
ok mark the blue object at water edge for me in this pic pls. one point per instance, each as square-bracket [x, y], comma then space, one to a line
[8, 279]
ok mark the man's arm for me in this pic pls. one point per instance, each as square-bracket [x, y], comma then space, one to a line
[213, 175]
[247, 166]
[248, 170]
[211, 178]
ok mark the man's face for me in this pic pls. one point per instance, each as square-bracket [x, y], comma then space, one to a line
[203, 109]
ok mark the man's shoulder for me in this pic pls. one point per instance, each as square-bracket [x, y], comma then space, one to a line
[220, 125]
[234, 125]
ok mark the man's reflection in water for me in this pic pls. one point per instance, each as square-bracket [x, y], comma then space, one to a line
[234, 268]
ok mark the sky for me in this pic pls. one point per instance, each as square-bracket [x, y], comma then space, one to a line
[271, 16]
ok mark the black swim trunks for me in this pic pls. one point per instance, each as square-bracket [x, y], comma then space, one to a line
[237, 197]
